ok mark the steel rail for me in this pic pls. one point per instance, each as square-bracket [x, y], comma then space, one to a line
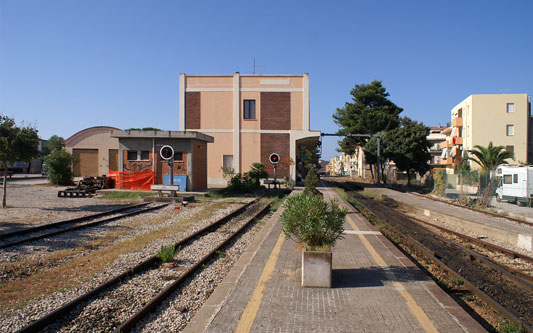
[146, 309]
[489, 246]
[501, 309]
[74, 220]
[473, 289]
[41, 323]
[82, 226]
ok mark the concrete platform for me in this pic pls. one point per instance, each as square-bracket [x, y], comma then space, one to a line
[375, 289]
[500, 229]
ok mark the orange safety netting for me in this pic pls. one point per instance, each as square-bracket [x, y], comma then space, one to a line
[132, 180]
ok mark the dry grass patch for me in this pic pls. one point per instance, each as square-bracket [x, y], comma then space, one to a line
[82, 269]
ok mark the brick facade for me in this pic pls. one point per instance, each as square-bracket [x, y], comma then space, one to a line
[275, 143]
[275, 111]
[192, 110]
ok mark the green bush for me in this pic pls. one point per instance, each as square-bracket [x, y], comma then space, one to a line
[59, 164]
[166, 253]
[241, 183]
[257, 172]
[312, 221]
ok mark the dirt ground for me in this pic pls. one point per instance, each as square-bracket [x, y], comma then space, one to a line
[33, 202]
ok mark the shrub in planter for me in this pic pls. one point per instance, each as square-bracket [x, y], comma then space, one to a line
[312, 221]
[318, 225]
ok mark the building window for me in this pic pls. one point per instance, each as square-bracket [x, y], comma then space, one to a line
[178, 156]
[132, 155]
[507, 179]
[510, 107]
[249, 109]
[227, 161]
[509, 148]
[515, 178]
[138, 155]
[510, 130]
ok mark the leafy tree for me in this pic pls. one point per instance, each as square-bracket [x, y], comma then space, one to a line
[488, 158]
[16, 144]
[408, 147]
[369, 112]
[59, 163]
[257, 172]
[55, 142]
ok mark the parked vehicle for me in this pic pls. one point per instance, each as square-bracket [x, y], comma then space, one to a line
[515, 184]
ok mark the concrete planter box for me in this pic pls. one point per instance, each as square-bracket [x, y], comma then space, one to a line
[316, 269]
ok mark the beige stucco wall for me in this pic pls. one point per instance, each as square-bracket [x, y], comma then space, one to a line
[297, 114]
[273, 81]
[97, 139]
[217, 110]
[222, 145]
[250, 150]
[209, 81]
[490, 118]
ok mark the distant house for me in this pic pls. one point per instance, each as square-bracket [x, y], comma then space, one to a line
[95, 151]
[435, 139]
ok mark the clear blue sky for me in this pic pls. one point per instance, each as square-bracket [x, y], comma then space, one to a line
[68, 65]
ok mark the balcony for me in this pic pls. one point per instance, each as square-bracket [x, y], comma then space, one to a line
[457, 122]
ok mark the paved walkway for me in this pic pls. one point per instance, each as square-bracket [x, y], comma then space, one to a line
[375, 289]
[457, 212]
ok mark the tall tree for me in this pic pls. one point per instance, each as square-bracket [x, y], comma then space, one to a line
[16, 144]
[369, 112]
[55, 142]
[408, 147]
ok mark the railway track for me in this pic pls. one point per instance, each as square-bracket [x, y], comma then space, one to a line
[508, 294]
[122, 301]
[24, 236]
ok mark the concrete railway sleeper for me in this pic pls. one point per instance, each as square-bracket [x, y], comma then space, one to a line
[512, 297]
[117, 298]
[139, 210]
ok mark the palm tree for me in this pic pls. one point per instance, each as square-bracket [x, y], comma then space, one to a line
[488, 158]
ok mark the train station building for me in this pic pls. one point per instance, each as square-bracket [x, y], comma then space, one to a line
[249, 117]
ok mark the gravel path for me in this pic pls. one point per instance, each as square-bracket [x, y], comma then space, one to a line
[33, 204]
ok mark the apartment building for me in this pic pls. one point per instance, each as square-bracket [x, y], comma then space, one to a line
[504, 119]
[249, 117]
[435, 138]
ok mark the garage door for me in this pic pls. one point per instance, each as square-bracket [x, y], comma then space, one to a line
[85, 162]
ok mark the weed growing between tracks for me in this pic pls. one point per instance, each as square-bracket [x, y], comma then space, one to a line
[82, 268]
[451, 285]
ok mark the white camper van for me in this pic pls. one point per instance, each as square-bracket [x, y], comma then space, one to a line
[515, 184]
